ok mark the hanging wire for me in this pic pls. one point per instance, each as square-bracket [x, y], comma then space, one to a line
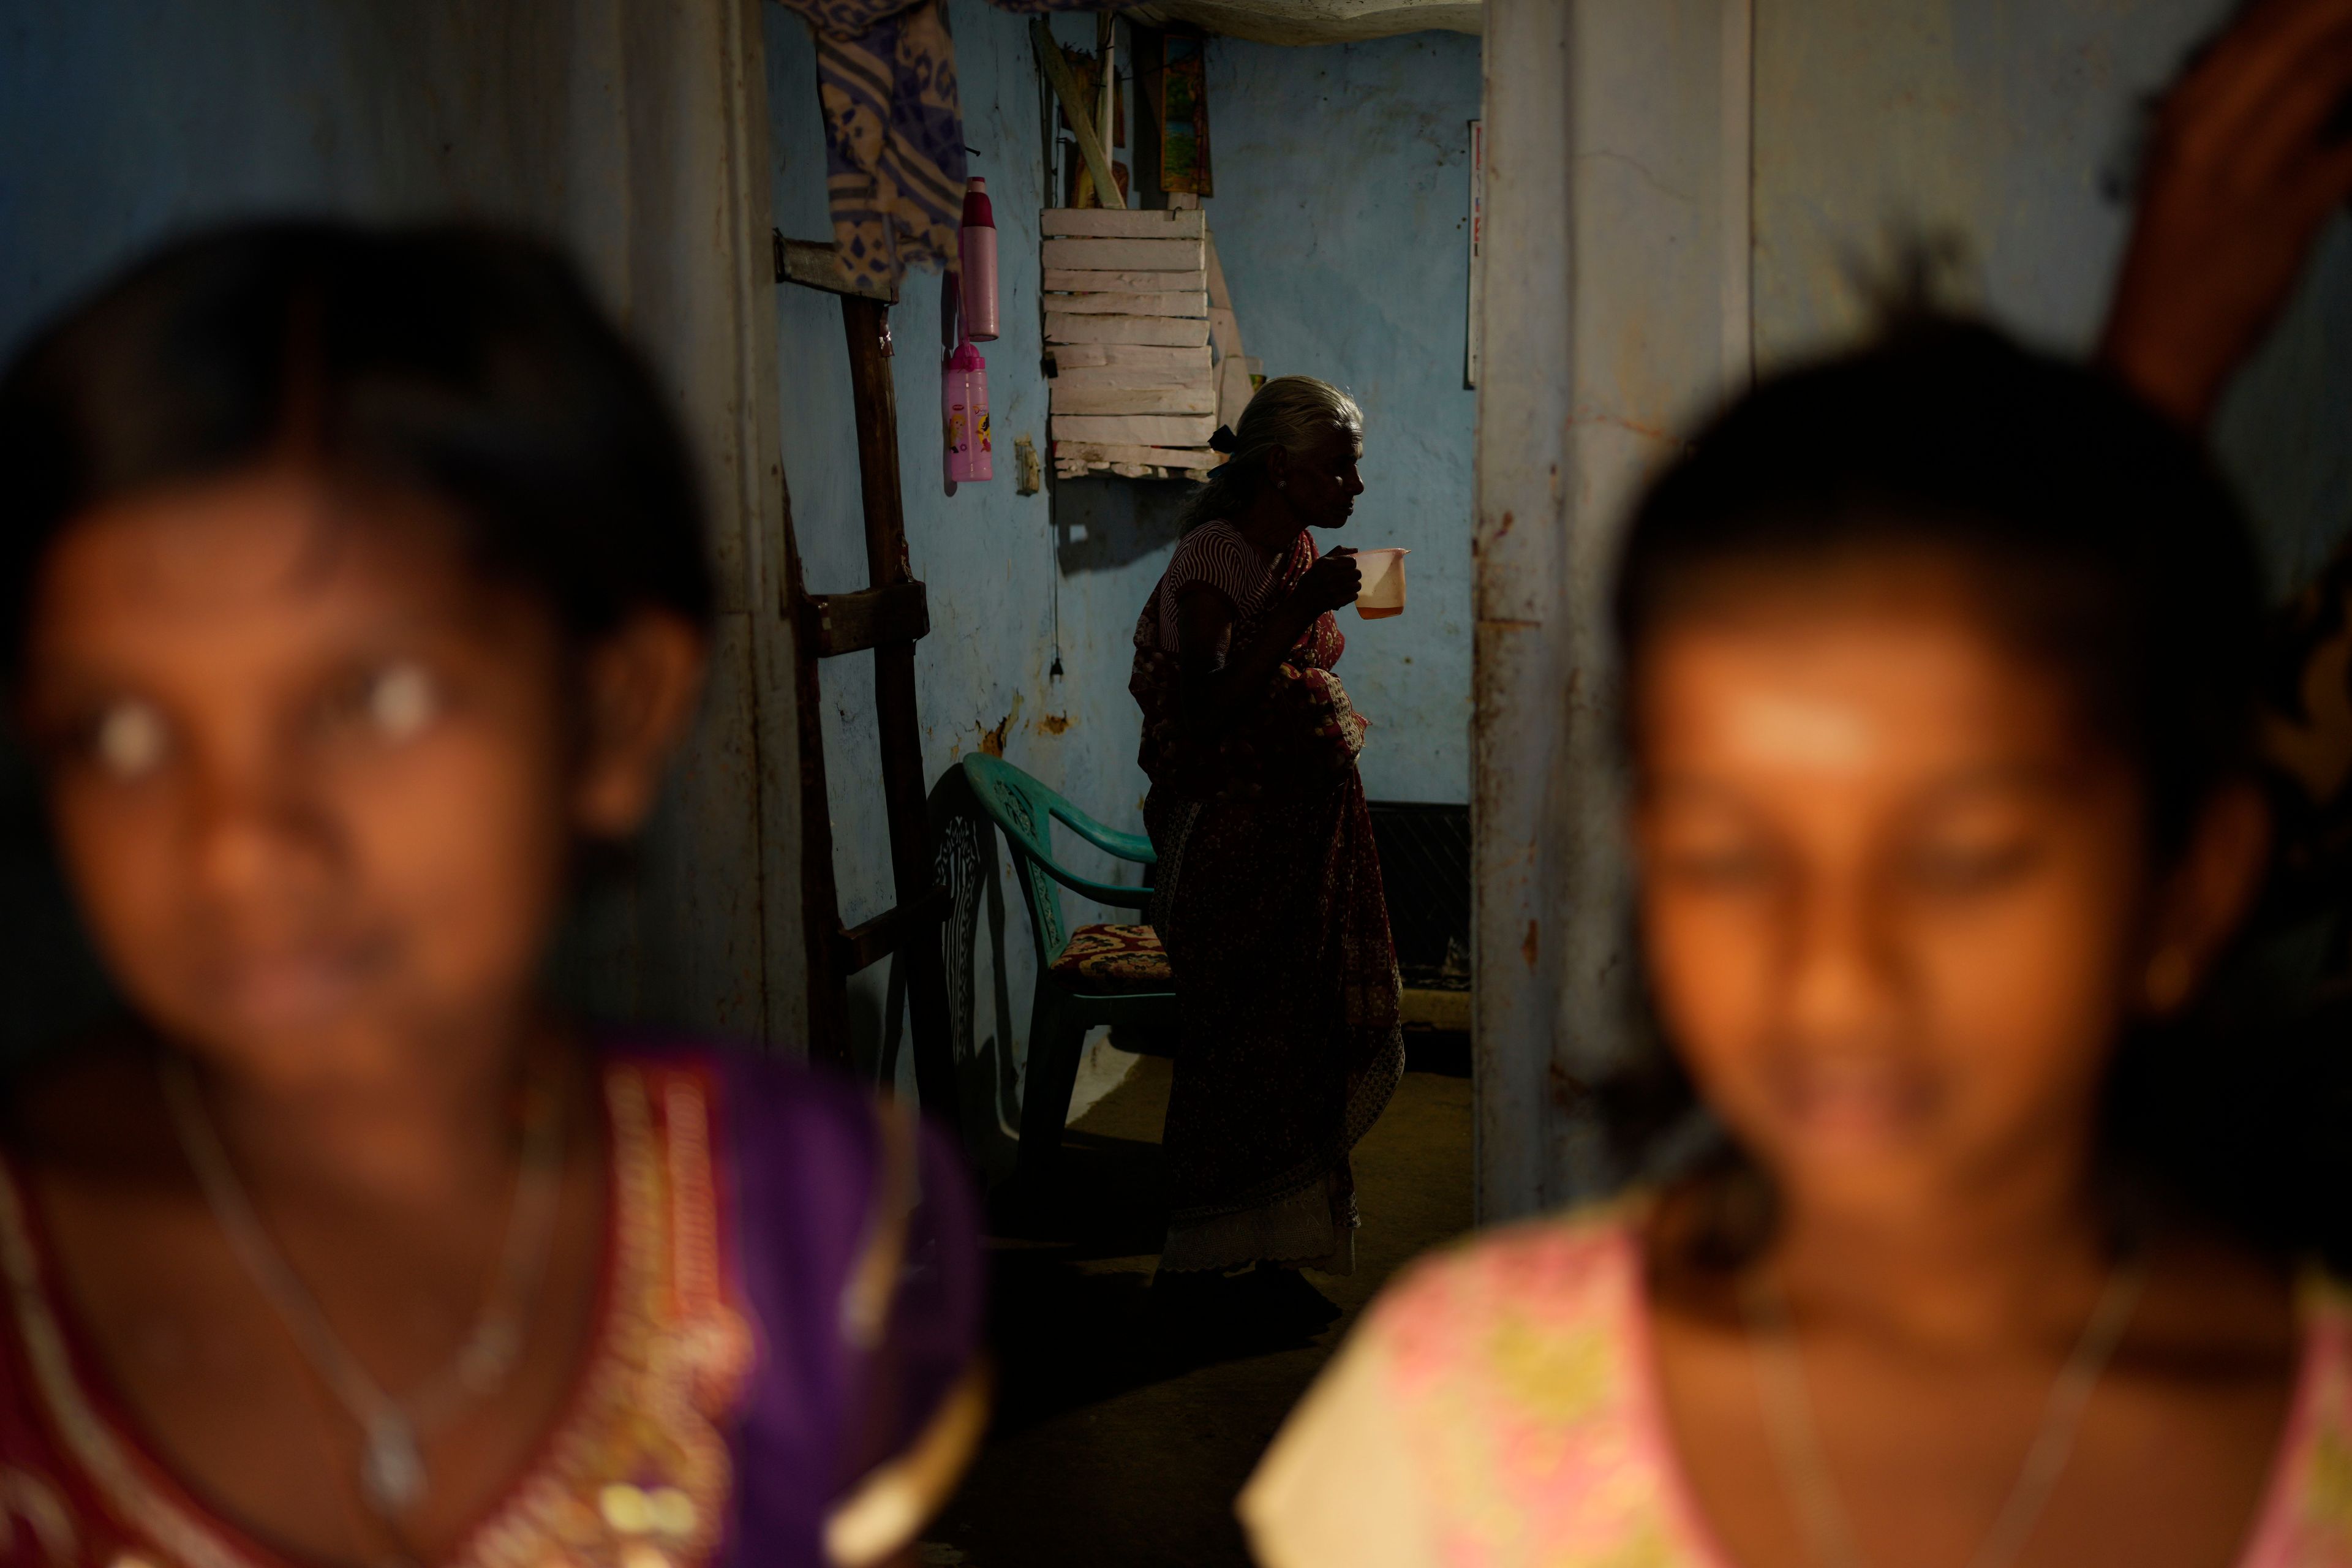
[1053, 560]
[1053, 145]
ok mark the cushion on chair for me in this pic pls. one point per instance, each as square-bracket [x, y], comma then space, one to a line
[1115, 958]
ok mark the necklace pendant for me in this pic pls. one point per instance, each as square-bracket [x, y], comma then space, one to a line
[392, 1471]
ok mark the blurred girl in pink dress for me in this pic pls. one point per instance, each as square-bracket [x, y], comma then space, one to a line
[1996, 1248]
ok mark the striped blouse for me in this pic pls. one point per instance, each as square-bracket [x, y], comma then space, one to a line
[1218, 556]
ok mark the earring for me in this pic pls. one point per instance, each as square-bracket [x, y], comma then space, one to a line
[2168, 979]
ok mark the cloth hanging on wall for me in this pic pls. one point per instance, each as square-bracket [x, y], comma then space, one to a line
[894, 153]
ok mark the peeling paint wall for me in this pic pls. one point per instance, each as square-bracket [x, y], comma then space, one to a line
[1343, 187]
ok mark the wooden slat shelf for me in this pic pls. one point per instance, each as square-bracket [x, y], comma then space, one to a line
[1188, 304]
[1134, 301]
[1125, 255]
[1065, 279]
[1123, 222]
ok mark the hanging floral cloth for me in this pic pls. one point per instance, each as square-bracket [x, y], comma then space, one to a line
[894, 154]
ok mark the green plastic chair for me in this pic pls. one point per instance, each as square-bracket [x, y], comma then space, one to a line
[1095, 974]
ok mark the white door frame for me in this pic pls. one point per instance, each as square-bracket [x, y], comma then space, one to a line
[1616, 312]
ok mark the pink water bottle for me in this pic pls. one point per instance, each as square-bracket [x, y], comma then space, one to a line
[978, 264]
[963, 392]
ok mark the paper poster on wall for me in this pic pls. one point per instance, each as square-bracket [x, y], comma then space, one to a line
[1184, 104]
[1477, 246]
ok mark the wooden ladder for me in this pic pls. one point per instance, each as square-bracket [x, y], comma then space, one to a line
[888, 617]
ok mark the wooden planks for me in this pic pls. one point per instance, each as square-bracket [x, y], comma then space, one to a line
[1128, 452]
[1237, 374]
[1200, 398]
[1062, 280]
[1130, 308]
[1072, 458]
[1123, 255]
[1219, 295]
[1136, 429]
[1098, 223]
[893, 930]
[815, 264]
[1166, 331]
[838, 624]
[1224, 330]
[1234, 386]
[1086, 356]
[1191, 304]
[885, 617]
[1130, 377]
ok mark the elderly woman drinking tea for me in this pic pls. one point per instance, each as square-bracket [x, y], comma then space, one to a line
[1270, 900]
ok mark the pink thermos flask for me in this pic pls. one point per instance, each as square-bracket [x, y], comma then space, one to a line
[979, 263]
[964, 390]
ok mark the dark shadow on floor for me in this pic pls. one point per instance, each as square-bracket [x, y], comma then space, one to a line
[1126, 1423]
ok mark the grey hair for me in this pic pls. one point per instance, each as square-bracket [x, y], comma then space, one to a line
[1290, 412]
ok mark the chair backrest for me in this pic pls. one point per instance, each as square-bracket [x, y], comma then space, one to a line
[1022, 809]
[964, 860]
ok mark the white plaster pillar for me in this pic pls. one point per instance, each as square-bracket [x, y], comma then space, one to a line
[665, 193]
[1616, 313]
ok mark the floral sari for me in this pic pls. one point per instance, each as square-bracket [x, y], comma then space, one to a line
[1270, 906]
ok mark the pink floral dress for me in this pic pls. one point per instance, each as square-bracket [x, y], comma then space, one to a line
[1497, 1410]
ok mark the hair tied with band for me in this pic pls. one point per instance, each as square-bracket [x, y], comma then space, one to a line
[1290, 414]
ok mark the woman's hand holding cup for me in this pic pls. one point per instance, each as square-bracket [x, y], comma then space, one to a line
[1332, 582]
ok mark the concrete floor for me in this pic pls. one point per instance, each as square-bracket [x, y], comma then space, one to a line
[1124, 1429]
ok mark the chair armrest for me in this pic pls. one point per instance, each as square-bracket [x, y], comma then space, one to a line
[1100, 892]
[1130, 846]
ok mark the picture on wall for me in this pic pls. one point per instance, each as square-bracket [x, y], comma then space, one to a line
[1184, 107]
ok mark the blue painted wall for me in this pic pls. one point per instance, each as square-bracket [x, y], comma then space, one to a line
[121, 121]
[1342, 190]
[1341, 216]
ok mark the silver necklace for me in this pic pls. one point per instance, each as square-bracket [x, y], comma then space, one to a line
[1796, 1442]
[393, 1476]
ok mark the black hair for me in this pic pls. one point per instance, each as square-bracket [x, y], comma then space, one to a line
[2100, 538]
[2097, 536]
[464, 364]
